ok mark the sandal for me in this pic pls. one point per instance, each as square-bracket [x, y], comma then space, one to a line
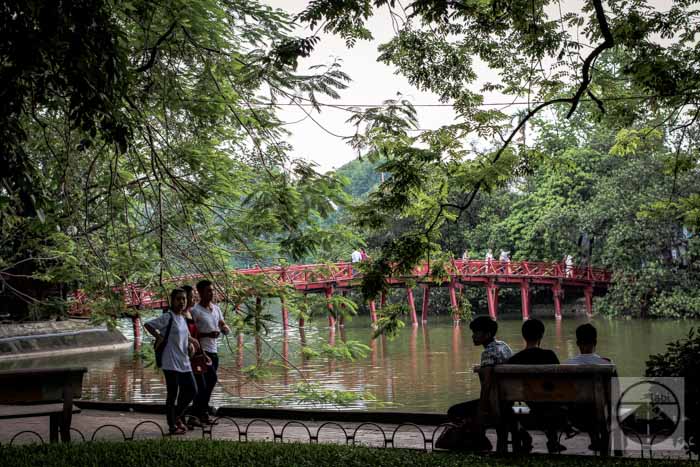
[181, 423]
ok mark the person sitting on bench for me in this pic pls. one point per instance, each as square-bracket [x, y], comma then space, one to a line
[533, 354]
[468, 415]
[586, 340]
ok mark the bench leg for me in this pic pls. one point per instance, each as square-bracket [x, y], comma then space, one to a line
[54, 423]
[67, 415]
[502, 439]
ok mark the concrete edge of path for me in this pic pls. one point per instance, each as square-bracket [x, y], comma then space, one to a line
[418, 418]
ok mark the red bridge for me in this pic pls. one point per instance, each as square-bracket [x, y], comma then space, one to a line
[328, 278]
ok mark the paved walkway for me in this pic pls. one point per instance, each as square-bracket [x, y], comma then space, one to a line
[116, 426]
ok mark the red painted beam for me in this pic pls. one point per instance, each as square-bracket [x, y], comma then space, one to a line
[425, 304]
[453, 302]
[329, 295]
[285, 314]
[525, 299]
[588, 293]
[492, 299]
[557, 295]
[412, 306]
[373, 311]
[341, 318]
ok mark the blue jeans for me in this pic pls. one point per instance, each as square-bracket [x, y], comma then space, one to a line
[181, 391]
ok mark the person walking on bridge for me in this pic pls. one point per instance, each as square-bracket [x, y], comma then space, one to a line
[355, 257]
[569, 265]
[504, 258]
[210, 324]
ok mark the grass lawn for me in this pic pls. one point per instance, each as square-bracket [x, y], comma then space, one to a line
[227, 453]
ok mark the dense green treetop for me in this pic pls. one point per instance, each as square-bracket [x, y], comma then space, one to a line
[139, 141]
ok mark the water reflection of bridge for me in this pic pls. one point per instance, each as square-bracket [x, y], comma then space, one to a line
[427, 365]
[412, 368]
[339, 277]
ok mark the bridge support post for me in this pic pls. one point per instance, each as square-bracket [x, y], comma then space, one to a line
[588, 293]
[373, 311]
[425, 304]
[136, 323]
[412, 306]
[557, 293]
[301, 320]
[453, 302]
[329, 295]
[341, 318]
[525, 299]
[382, 300]
[285, 314]
[492, 299]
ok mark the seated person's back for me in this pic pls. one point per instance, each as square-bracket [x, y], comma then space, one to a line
[547, 413]
[586, 340]
[533, 354]
[580, 414]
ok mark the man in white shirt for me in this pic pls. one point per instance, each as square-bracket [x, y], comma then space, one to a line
[210, 323]
[579, 415]
[587, 339]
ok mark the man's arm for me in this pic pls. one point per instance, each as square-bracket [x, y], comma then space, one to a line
[224, 327]
[222, 324]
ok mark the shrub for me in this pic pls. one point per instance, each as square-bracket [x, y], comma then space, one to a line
[226, 453]
[682, 359]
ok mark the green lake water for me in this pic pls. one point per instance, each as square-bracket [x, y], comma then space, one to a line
[426, 368]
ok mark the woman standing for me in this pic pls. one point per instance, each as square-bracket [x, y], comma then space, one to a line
[181, 388]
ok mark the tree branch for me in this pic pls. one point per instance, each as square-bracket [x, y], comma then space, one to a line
[608, 43]
[154, 50]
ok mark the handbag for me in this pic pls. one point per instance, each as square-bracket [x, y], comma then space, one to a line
[199, 363]
[159, 344]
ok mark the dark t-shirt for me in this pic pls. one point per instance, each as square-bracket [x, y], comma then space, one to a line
[534, 356]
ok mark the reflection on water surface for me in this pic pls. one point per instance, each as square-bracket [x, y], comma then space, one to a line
[425, 368]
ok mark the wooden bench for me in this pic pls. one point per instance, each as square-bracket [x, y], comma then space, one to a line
[583, 385]
[38, 392]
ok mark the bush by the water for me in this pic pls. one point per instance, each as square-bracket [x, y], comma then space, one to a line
[227, 453]
[682, 359]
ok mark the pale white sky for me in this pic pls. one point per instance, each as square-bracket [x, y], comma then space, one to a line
[372, 83]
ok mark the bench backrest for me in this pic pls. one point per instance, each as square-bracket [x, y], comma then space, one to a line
[552, 383]
[40, 384]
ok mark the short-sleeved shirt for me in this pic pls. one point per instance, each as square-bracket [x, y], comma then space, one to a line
[588, 359]
[495, 353]
[356, 256]
[534, 356]
[175, 355]
[207, 320]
